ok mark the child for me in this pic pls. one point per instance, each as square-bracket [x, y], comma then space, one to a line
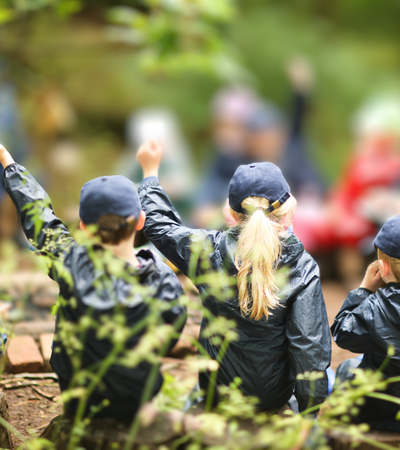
[368, 323]
[279, 337]
[113, 205]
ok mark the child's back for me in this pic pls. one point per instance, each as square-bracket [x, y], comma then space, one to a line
[103, 297]
[111, 295]
[268, 353]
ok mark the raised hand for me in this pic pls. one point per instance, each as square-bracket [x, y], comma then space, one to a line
[300, 74]
[149, 157]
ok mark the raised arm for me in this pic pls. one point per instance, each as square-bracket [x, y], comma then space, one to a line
[301, 78]
[163, 225]
[42, 227]
[309, 342]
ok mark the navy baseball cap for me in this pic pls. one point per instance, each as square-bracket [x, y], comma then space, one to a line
[108, 195]
[388, 238]
[258, 180]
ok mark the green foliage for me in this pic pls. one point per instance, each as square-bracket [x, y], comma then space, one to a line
[236, 422]
[173, 36]
[351, 45]
[169, 36]
[13, 10]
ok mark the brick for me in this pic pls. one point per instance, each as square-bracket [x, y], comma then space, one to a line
[46, 340]
[24, 355]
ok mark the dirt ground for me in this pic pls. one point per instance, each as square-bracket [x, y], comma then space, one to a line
[31, 408]
[32, 403]
[335, 294]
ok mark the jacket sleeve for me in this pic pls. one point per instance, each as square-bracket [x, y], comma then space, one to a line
[46, 232]
[164, 227]
[352, 327]
[309, 343]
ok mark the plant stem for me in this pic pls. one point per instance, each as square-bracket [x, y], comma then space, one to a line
[213, 376]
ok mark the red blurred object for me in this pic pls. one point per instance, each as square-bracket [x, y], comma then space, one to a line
[341, 220]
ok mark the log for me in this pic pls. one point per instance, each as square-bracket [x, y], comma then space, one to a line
[5, 435]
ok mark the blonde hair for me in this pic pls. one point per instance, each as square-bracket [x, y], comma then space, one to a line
[258, 252]
[394, 263]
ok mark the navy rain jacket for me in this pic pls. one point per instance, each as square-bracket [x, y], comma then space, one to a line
[269, 353]
[369, 323]
[123, 386]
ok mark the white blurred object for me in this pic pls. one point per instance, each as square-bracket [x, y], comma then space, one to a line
[65, 157]
[380, 204]
[156, 124]
[379, 115]
[160, 124]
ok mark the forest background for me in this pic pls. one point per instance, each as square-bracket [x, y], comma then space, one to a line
[107, 62]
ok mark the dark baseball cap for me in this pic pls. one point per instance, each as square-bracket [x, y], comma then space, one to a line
[388, 238]
[258, 180]
[108, 195]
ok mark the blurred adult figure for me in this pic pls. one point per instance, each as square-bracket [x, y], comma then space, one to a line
[247, 129]
[271, 137]
[231, 108]
[13, 136]
[367, 194]
[11, 130]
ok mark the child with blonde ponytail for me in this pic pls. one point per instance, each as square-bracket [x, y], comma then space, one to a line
[281, 333]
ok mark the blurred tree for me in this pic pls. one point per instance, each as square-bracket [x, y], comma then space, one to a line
[16, 9]
[95, 56]
[168, 35]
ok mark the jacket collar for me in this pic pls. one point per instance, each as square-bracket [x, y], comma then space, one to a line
[292, 249]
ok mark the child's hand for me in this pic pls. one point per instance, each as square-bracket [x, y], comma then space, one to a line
[5, 157]
[300, 74]
[149, 157]
[372, 279]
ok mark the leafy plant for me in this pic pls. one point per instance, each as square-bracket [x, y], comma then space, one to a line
[236, 422]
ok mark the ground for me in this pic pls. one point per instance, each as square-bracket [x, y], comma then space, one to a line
[335, 294]
[31, 408]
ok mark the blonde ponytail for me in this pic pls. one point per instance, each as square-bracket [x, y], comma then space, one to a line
[258, 253]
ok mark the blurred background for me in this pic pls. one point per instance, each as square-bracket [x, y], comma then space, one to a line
[311, 86]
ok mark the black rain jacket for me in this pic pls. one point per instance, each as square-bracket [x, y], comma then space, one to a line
[123, 386]
[269, 353]
[369, 323]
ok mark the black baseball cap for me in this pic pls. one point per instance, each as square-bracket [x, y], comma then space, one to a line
[108, 195]
[258, 180]
[388, 238]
